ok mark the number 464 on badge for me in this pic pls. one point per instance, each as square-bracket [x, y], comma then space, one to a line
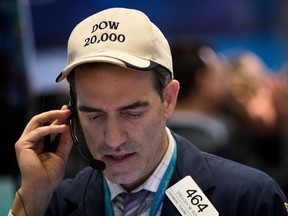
[189, 199]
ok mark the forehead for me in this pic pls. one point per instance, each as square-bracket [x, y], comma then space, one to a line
[99, 79]
[109, 71]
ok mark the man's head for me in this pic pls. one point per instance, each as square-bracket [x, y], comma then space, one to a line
[123, 118]
[120, 74]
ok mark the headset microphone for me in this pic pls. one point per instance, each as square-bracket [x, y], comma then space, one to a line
[96, 164]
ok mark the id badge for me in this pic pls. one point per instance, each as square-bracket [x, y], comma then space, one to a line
[189, 199]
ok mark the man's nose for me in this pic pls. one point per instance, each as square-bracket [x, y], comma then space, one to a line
[114, 132]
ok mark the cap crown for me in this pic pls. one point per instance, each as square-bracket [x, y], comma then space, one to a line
[125, 37]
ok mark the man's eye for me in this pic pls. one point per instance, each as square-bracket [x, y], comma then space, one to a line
[132, 115]
[94, 117]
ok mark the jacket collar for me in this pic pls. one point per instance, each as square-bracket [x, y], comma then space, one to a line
[190, 161]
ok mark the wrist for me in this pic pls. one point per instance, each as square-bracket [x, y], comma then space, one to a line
[30, 201]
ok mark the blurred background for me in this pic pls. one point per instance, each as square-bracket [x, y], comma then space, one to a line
[33, 36]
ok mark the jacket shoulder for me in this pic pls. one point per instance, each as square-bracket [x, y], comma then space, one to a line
[70, 195]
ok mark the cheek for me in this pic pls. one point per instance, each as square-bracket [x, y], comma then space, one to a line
[93, 140]
[153, 146]
[153, 132]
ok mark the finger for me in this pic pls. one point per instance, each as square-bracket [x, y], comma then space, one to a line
[64, 120]
[58, 121]
[65, 145]
[41, 119]
[34, 138]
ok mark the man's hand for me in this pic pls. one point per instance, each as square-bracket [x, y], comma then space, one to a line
[41, 171]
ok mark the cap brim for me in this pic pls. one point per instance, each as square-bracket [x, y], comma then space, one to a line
[120, 59]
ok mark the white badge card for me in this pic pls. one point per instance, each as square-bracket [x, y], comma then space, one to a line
[189, 199]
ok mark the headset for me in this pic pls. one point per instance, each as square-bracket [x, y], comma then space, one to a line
[74, 125]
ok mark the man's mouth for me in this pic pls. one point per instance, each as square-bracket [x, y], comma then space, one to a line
[119, 157]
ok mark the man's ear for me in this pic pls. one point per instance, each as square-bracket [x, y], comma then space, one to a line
[170, 95]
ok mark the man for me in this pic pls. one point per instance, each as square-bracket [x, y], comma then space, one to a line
[122, 92]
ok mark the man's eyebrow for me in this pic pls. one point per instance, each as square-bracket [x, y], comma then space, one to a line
[88, 109]
[135, 105]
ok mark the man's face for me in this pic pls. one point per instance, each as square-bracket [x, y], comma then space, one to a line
[123, 120]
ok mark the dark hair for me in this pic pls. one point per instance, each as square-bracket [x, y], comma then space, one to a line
[162, 77]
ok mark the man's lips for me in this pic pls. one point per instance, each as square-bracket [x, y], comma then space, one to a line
[119, 157]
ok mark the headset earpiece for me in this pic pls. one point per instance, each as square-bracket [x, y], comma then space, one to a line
[71, 107]
[72, 122]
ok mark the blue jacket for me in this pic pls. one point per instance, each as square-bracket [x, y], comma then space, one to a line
[234, 189]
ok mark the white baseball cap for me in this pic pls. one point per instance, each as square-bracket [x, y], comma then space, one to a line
[120, 36]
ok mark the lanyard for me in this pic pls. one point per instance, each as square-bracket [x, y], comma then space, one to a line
[160, 193]
[108, 206]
